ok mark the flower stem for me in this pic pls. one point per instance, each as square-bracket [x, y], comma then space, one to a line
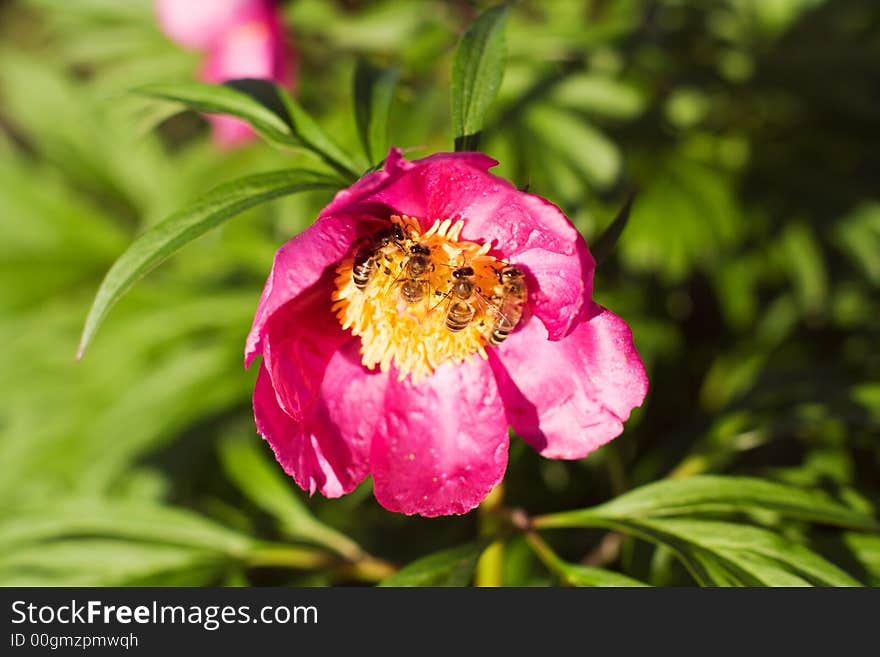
[490, 567]
[368, 569]
[273, 555]
[287, 556]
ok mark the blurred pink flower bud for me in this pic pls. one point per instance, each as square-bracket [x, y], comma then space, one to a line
[197, 24]
[241, 38]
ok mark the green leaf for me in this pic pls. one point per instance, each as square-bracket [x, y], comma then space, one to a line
[758, 570]
[166, 238]
[724, 553]
[476, 75]
[453, 567]
[265, 116]
[373, 92]
[705, 567]
[866, 549]
[313, 137]
[573, 139]
[267, 107]
[579, 575]
[121, 520]
[740, 544]
[107, 562]
[245, 463]
[716, 494]
[604, 245]
[858, 234]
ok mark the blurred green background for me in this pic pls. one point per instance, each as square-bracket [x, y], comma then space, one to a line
[749, 271]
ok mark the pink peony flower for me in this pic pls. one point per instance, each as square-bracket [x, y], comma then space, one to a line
[242, 39]
[382, 329]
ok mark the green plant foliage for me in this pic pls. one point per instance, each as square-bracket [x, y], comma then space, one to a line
[453, 567]
[267, 107]
[708, 494]
[263, 484]
[724, 553]
[748, 270]
[163, 240]
[578, 575]
[476, 75]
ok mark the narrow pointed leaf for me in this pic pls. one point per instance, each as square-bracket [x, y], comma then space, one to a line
[865, 548]
[106, 562]
[453, 567]
[268, 108]
[133, 521]
[711, 494]
[579, 575]
[736, 541]
[758, 570]
[313, 137]
[166, 238]
[476, 76]
[265, 117]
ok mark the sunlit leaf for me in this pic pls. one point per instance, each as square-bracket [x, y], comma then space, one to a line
[163, 240]
[859, 235]
[580, 575]
[728, 554]
[717, 494]
[476, 76]
[571, 137]
[266, 106]
[453, 567]
[265, 116]
[805, 264]
[106, 562]
[735, 542]
[866, 549]
[597, 94]
[127, 520]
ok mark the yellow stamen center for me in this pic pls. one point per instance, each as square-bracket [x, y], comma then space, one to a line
[419, 299]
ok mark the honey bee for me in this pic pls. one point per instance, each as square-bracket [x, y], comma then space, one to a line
[416, 271]
[510, 303]
[461, 307]
[367, 258]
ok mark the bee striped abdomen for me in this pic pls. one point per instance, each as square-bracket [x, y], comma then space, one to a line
[362, 271]
[459, 316]
[513, 297]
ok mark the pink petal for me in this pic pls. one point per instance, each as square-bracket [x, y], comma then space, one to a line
[444, 185]
[329, 450]
[304, 259]
[298, 265]
[197, 24]
[300, 338]
[525, 229]
[569, 397]
[230, 131]
[361, 196]
[441, 445]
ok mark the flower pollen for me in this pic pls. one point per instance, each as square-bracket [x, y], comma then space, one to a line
[418, 299]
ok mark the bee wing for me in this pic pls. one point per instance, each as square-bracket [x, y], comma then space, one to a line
[444, 297]
[490, 307]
